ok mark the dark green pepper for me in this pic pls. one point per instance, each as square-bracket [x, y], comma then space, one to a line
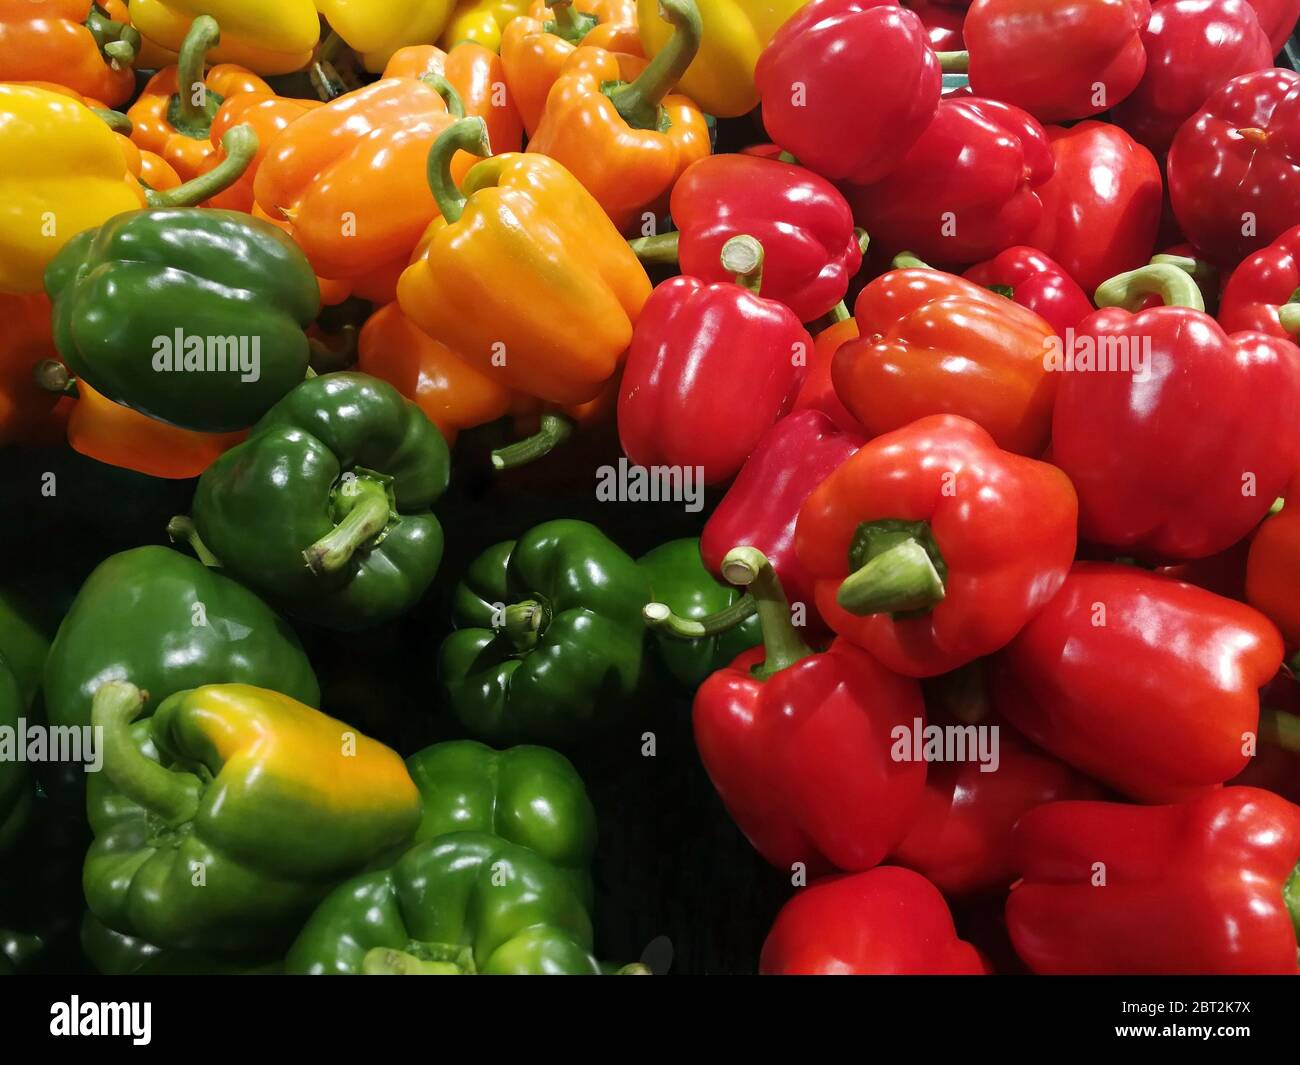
[550, 642]
[115, 954]
[325, 507]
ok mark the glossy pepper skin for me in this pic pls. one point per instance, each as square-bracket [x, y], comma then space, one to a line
[376, 32]
[943, 23]
[466, 903]
[1278, 19]
[1259, 290]
[1205, 886]
[942, 489]
[551, 284]
[1058, 60]
[87, 47]
[273, 800]
[325, 507]
[848, 86]
[818, 389]
[967, 189]
[935, 343]
[1038, 283]
[675, 386]
[482, 21]
[267, 38]
[1273, 567]
[267, 115]
[549, 641]
[883, 922]
[1146, 683]
[1234, 192]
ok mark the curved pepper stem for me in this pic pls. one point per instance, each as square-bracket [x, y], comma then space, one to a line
[1289, 315]
[203, 34]
[118, 41]
[569, 23]
[445, 89]
[114, 120]
[172, 796]
[367, 511]
[742, 258]
[183, 528]
[239, 145]
[905, 260]
[463, 135]
[1175, 287]
[382, 961]
[660, 617]
[555, 429]
[661, 248]
[638, 102]
[524, 623]
[897, 568]
[749, 568]
[953, 62]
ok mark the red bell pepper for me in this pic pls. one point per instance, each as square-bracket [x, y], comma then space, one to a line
[943, 23]
[885, 922]
[711, 368]
[1278, 18]
[935, 343]
[1177, 436]
[1101, 208]
[762, 504]
[1146, 683]
[1263, 292]
[968, 188]
[1273, 567]
[818, 389]
[1208, 886]
[799, 744]
[1234, 167]
[848, 86]
[1036, 282]
[932, 547]
[1193, 48]
[1068, 59]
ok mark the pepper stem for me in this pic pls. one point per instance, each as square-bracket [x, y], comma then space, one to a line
[1291, 896]
[840, 313]
[863, 237]
[742, 257]
[749, 568]
[523, 623]
[906, 260]
[239, 145]
[368, 514]
[569, 23]
[382, 961]
[445, 89]
[554, 430]
[1201, 271]
[463, 135]
[173, 796]
[638, 102]
[203, 34]
[51, 375]
[1175, 288]
[661, 248]
[896, 567]
[660, 617]
[183, 528]
[1280, 729]
[114, 120]
[953, 62]
[1289, 315]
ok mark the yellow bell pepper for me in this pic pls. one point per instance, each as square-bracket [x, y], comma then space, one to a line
[62, 171]
[267, 38]
[481, 21]
[376, 31]
[721, 80]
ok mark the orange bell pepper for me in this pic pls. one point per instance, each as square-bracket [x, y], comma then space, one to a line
[535, 47]
[87, 47]
[268, 115]
[627, 143]
[27, 411]
[523, 275]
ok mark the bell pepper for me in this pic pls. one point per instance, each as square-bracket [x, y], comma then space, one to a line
[935, 343]
[1207, 886]
[482, 21]
[943, 23]
[1101, 206]
[967, 189]
[1273, 566]
[848, 86]
[1146, 683]
[221, 820]
[908, 542]
[523, 274]
[1278, 19]
[1057, 61]
[267, 38]
[884, 922]
[721, 78]
[675, 384]
[325, 508]
[818, 389]
[87, 46]
[1232, 175]
[115, 954]
[535, 47]
[696, 605]
[804, 224]
[549, 641]
[530, 796]
[1165, 492]
[1261, 294]
[375, 32]
[26, 410]
[1038, 283]
[799, 744]
[467, 903]
[626, 142]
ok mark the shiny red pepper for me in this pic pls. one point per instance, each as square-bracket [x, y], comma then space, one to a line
[1177, 436]
[1234, 167]
[1144, 682]
[885, 922]
[932, 547]
[710, 369]
[1036, 282]
[1278, 18]
[1208, 886]
[943, 23]
[1263, 292]
[848, 86]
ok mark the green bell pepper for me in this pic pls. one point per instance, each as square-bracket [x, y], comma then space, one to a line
[220, 821]
[24, 643]
[325, 507]
[115, 954]
[465, 903]
[531, 796]
[549, 639]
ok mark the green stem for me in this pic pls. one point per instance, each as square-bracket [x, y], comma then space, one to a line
[742, 257]
[864, 239]
[639, 101]
[523, 623]
[368, 514]
[1175, 288]
[382, 961]
[1291, 896]
[1289, 315]
[463, 135]
[661, 248]
[569, 23]
[114, 120]
[325, 79]
[905, 260]
[173, 797]
[331, 47]
[183, 528]
[896, 568]
[954, 62]
[635, 968]
[239, 145]
[445, 89]
[1202, 272]
[660, 617]
[554, 430]
[203, 34]
[840, 313]
[749, 568]
[51, 375]
[121, 54]
[1280, 729]
[786, 157]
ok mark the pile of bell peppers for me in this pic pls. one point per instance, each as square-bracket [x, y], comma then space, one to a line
[428, 426]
